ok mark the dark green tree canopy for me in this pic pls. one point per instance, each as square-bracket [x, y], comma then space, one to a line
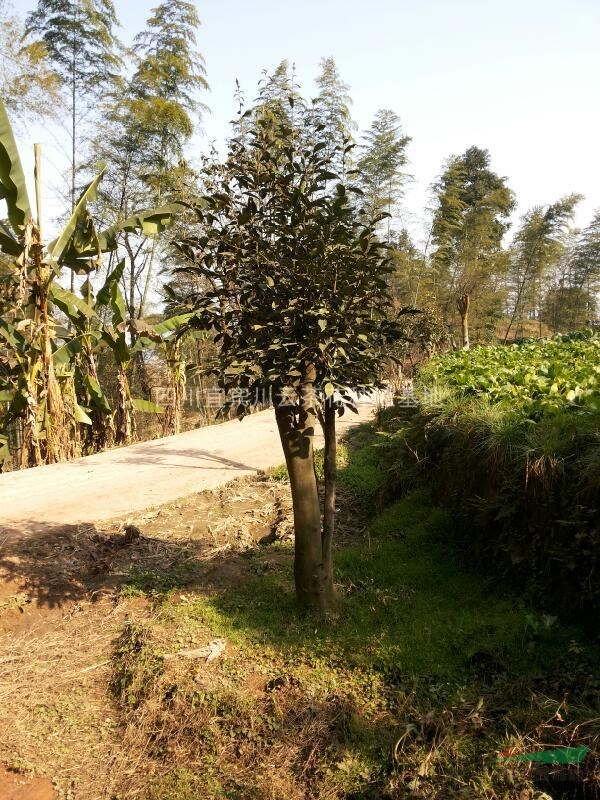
[293, 287]
[294, 275]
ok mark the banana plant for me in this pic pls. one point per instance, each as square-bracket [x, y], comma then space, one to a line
[169, 334]
[42, 363]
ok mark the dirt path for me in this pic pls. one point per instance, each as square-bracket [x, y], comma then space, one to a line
[123, 481]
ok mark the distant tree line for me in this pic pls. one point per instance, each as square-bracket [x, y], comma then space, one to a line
[137, 108]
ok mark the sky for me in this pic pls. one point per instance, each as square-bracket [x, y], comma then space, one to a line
[518, 77]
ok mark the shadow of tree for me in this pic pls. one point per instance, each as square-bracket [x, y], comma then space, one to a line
[69, 563]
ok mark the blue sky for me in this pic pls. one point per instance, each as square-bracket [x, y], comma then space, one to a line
[519, 78]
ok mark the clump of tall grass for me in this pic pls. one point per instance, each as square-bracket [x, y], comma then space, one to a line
[523, 493]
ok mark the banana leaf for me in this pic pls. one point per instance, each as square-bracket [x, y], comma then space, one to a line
[81, 415]
[4, 449]
[8, 243]
[12, 336]
[13, 188]
[104, 295]
[67, 352]
[79, 234]
[118, 344]
[147, 406]
[97, 396]
[141, 328]
[147, 223]
[71, 305]
[172, 323]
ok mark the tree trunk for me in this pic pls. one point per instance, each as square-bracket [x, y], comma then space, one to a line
[171, 421]
[73, 129]
[330, 470]
[462, 304]
[296, 430]
[125, 427]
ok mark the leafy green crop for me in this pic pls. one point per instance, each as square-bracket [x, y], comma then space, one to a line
[538, 377]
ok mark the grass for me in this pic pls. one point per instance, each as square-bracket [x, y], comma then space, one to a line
[407, 605]
[427, 672]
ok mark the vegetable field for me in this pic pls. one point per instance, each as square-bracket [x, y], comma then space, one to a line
[541, 377]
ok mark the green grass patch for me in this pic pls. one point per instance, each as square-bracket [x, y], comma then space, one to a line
[158, 583]
[406, 604]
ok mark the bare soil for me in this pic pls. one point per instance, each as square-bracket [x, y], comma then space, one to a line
[14, 787]
[62, 609]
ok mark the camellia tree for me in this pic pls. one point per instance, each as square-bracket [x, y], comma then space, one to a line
[295, 295]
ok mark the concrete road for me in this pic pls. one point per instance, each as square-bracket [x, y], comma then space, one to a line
[120, 482]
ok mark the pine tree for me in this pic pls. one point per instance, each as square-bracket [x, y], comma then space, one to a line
[380, 174]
